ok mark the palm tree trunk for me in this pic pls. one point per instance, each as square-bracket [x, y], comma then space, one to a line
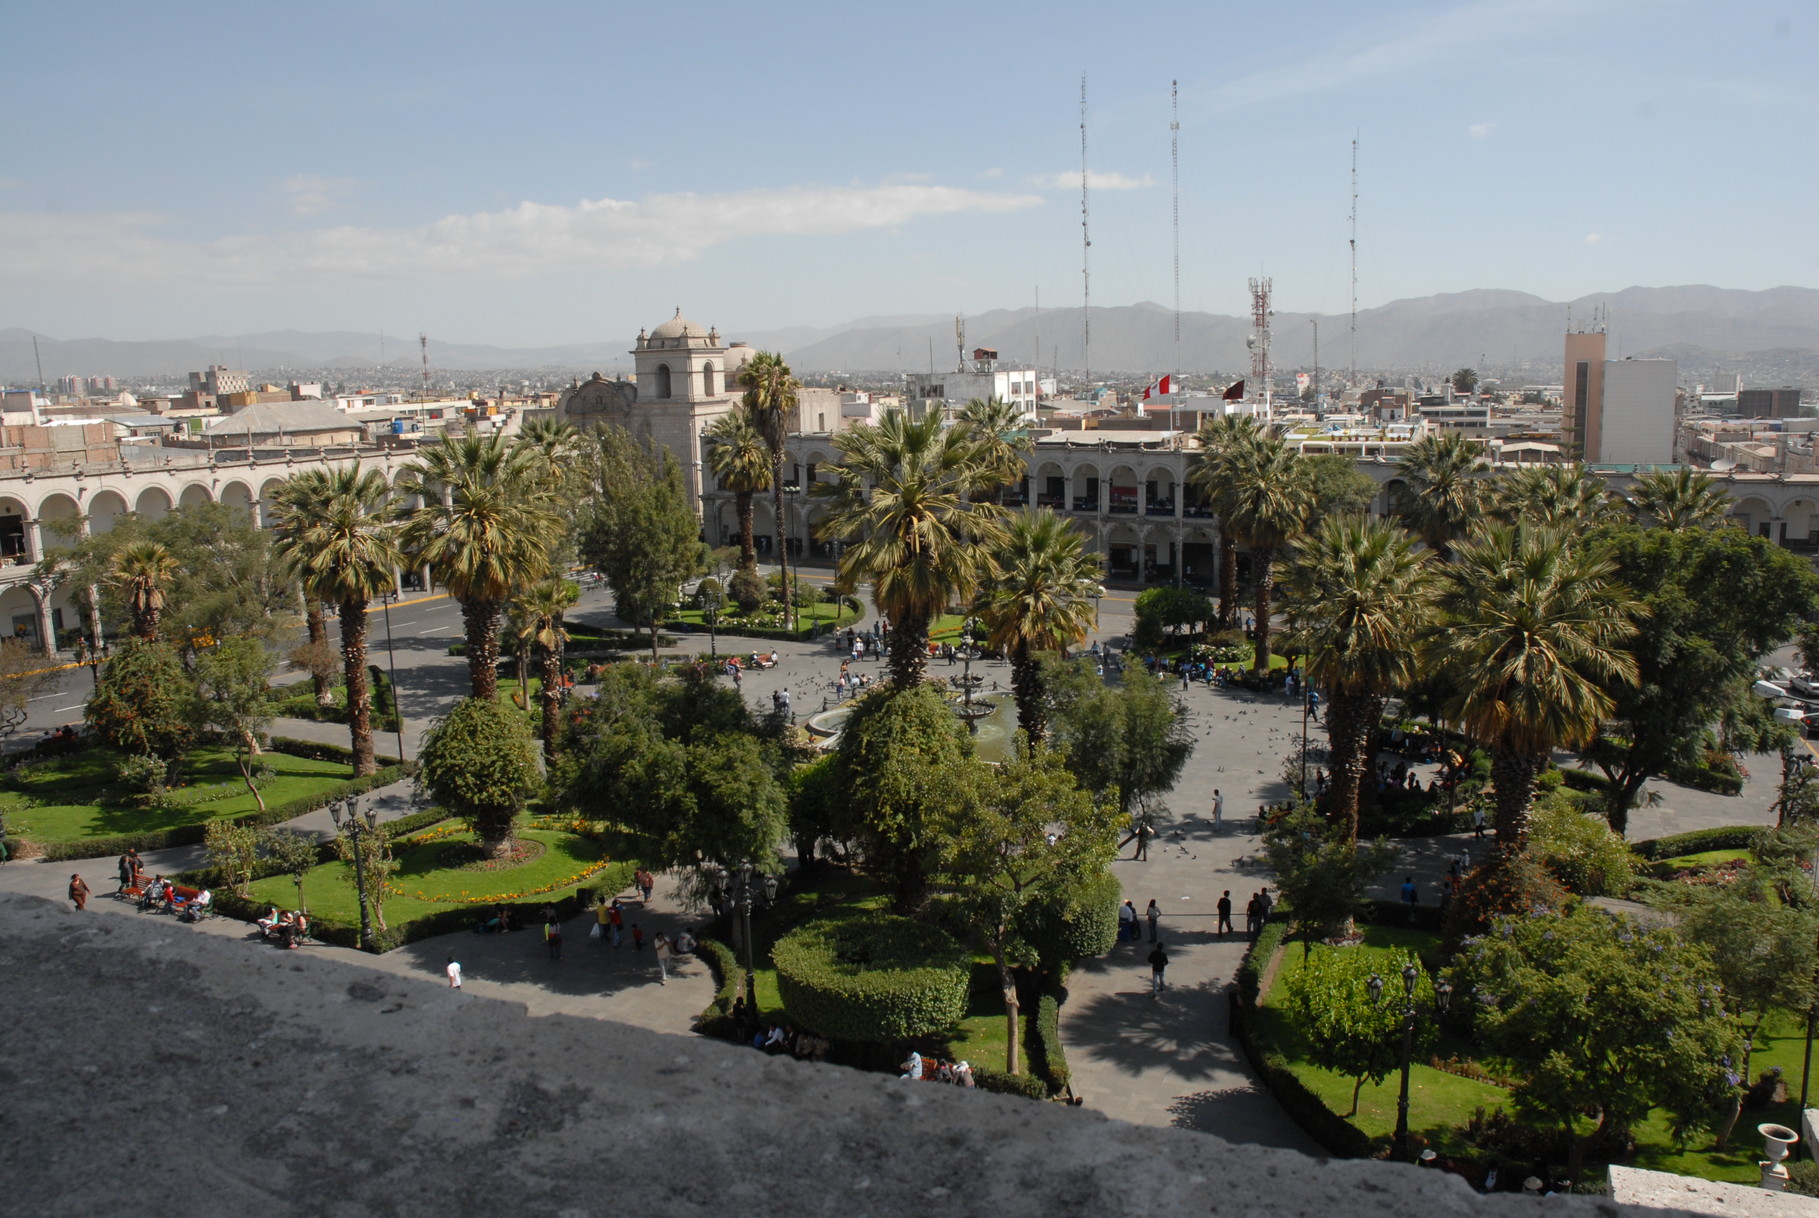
[1265, 561]
[1026, 688]
[481, 619]
[359, 701]
[1013, 1017]
[1228, 580]
[1514, 775]
[552, 698]
[789, 601]
[909, 650]
[317, 624]
[1351, 724]
[748, 553]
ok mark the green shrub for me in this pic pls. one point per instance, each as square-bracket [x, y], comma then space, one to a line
[746, 589]
[1698, 841]
[1585, 780]
[1717, 780]
[1026, 1085]
[1581, 849]
[877, 978]
[318, 751]
[1083, 924]
[723, 963]
[1047, 1056]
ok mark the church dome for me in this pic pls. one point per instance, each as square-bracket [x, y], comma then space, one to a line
[678, 327]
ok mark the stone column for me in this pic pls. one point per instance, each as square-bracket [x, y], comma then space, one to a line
[34, 539]
[46, 636]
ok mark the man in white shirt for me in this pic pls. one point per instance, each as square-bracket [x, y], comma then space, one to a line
[454, 973]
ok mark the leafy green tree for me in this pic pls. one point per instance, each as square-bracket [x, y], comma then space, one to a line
[1684, 498]
[902, 762]
[486, 527]
[1344, 1029]
[479, 762]
[1128, 741]
[335, 531]
[1037, 598]
[1600, 1020]
[1322, 872]
[644, 536]
[374, 859]
[24, 677]
[739, 457]
[1160, 612]
[1209, 467]
[291, 853]
[770, 400]
[233, 850]
[1446, 489]
[144, 703]
[231, 680]
[1357, 597]
[1338, 486]
[1583, 852]
[901, 499]
[1714, 601]
[1266, 505]
[1529, 642]
[1023, 834]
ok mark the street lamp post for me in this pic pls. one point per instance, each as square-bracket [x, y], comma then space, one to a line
[745, 914]
[1307, 706]
[347, 813]
[1443, 994]
[391, 665]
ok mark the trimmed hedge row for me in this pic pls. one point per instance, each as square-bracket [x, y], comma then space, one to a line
[189, 835]
[716, 1019]
[1383, 912]
[876, 977]
[1727, 837]
[1586, 780]
[1339, 1136]
[316, 750]
[1047, 1056]
[1026, 1085]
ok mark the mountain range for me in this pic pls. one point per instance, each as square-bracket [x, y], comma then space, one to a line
[1702, 326]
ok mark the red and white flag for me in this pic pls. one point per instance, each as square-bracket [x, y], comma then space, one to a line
[1160, 389]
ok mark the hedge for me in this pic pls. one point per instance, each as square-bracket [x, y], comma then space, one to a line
[1339, 1136]
[1083, 924]
[1586, 780]
[317, 750]
[189, 835]
[716, 1019]
[1727, 837]
[1047, 1057]
[1382, 912]
[877, 978]
[1026, 1085]
[1705, 778]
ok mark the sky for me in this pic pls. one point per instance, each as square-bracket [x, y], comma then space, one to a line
[549, 172]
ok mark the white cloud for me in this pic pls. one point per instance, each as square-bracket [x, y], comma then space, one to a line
[1098, 179]
[528, 239]
[1593, 238]
[996, 171]
[1479, 130]
[311, 194]
[637, 164]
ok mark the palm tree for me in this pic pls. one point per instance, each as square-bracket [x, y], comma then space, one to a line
[770, 400]
[1445, 492]
[1037, 598]
[144, 571]
[901, 501]
[996, 427]
[335, 529]
[740, 457]
[484, 530]
[1357, 595]
[1265, 504]
[1683, 499]
[1208, 468]
[1528, 640]
[1566, 497]
[540, 611]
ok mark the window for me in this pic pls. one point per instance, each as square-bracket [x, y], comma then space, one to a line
[662, 380]
[707, 380]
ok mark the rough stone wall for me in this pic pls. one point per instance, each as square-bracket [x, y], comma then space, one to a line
[145, 1068]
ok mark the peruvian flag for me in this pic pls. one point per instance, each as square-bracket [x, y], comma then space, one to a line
[1160, 389]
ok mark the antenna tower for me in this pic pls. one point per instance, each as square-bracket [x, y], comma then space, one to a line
[1352, 373]
[960, 342]
[1174, 160]
[1086, 246]
[423, 342]
[1260, 340]
[40, 362]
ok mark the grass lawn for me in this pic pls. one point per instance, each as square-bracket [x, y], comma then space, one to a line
[1705, 858]
[329, 888]
[1441, 1103]
[67, 799]
[825, 614]
[981, 1037]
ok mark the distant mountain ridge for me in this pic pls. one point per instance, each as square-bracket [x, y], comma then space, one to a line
[1485, 326]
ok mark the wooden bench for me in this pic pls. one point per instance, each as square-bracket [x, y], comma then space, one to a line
[181, 898]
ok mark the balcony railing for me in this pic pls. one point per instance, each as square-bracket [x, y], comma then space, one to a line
[1160, 507]
[1084, 504]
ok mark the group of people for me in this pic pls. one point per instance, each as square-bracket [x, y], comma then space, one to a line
[781, 1040]
[1256, 913]
[286, 927]
[919, 1068]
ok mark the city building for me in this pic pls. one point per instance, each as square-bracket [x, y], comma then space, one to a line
[217, 379]
[1582, 408]
[1783, 403]
[1617, 412]
[979, 377]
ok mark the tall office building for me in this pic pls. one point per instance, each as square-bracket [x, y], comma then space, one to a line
[1582, 416]
[1617, 412]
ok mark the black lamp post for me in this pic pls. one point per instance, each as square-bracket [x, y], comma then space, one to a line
[1443, 995]
[347, 814]
[745, 915]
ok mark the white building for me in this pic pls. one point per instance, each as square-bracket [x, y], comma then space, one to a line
[1638, 417]
[978, 377]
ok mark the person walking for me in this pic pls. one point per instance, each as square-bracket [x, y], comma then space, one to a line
[603, 921]
[664, 950]
[1127, 921]
[552, 935]
[1144, 833]
[126, 873]
[1218, 808]
[1266, 905]
[1225, 914]
[1250, 917]
[784, 705]
[1158, 965]
[454, 973]
[78, 892]
[1477, 820]
[616, 923]
[637, 938]
[1152, 915]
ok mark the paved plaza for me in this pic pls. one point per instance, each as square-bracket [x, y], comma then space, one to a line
[1167, 1060]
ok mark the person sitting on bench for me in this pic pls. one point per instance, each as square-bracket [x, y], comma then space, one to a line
[197, 907]
[268, 923]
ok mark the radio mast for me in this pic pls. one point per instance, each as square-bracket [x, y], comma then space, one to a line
[423, 342]
[1086, 246]
[1352, 374]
